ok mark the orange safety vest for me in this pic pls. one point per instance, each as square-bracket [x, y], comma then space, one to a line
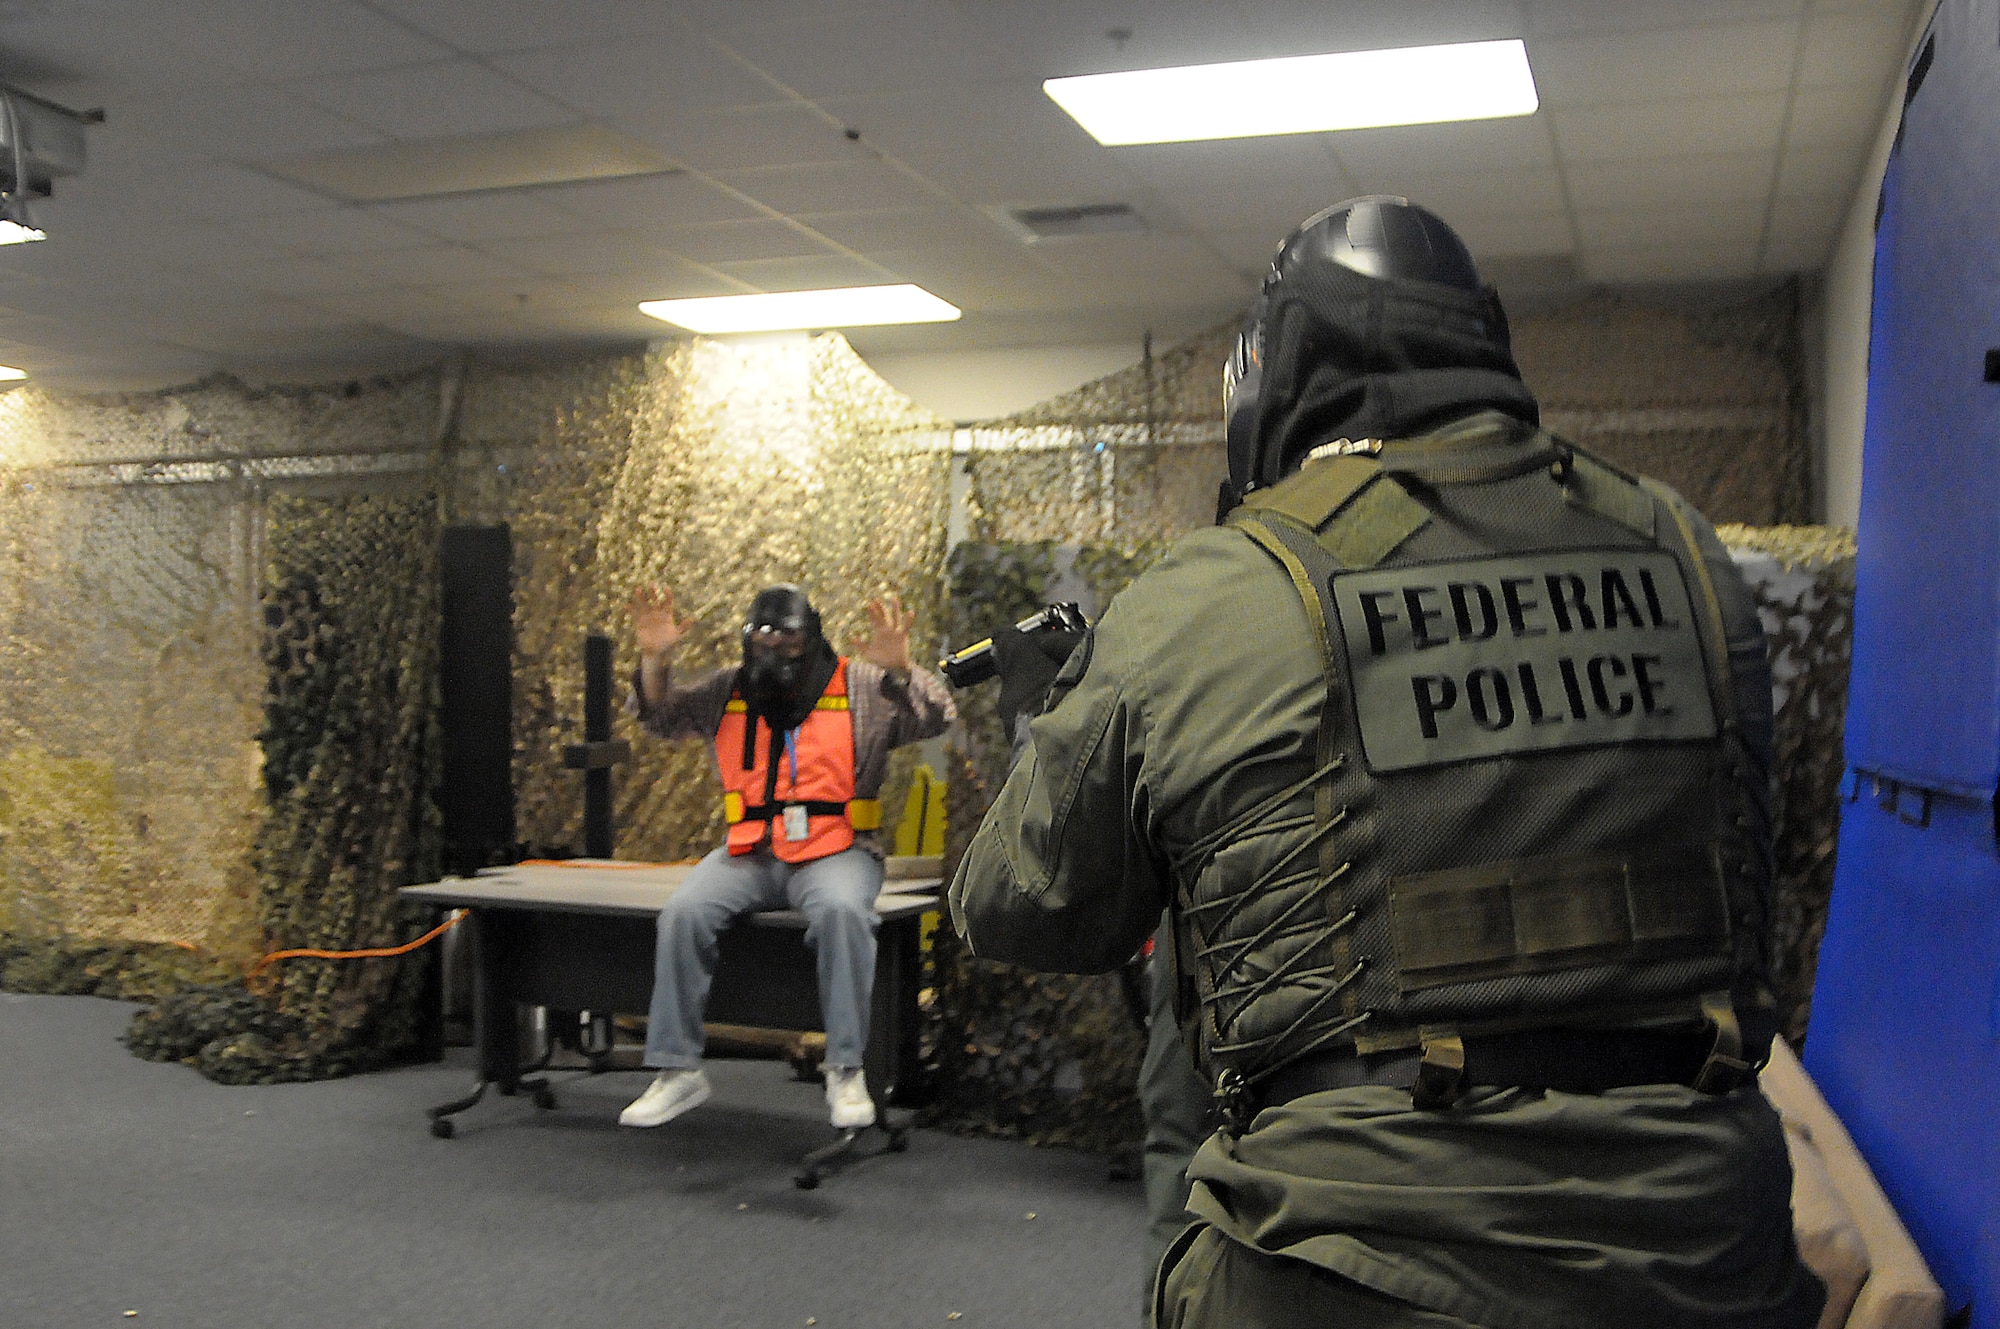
[815, 771]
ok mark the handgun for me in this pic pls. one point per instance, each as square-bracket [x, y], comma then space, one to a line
[976, 663]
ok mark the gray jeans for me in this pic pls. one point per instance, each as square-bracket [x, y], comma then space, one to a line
[837, 896]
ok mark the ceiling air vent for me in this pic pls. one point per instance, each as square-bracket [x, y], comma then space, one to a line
[1063, 223]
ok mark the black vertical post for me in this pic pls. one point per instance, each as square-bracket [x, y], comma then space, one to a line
[597, 729]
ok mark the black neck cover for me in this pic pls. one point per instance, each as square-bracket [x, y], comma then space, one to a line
[1350, 356]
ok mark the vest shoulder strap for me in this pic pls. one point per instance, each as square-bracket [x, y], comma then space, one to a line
[1598, 487]
[1345, 505]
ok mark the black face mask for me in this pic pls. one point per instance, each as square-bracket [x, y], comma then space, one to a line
[770, 679]
[783, 690]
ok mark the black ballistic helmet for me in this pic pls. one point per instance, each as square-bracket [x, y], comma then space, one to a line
[783, 608]
[1372, 289]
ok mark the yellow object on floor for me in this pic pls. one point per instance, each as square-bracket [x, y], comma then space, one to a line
[921, 831]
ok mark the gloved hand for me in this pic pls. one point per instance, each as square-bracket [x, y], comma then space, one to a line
[1028, 663]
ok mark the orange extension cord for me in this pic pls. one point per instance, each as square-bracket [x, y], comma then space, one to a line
[377, 952]
[383, 952]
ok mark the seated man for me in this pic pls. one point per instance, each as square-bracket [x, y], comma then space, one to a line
[802, 740]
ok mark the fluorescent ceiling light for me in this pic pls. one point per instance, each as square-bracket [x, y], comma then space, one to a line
[1305, 94]
[784, 311]
[9, 374]
[13, 233]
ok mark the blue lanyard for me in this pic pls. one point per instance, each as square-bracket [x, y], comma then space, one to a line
[792, 754]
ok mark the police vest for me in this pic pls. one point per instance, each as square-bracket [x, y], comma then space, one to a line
[804, 805]
[1531, 807]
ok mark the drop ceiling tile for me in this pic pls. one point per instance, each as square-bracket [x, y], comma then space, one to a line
[1819, 171]
[1680, 63]
[584, 253]
[757, 136]
[1831, 117]
[1272, 213]
[1657, 129]
[1052, 38]
[1665, 263]
[1514, 233]
[646, 85]
[1865, 47]
[891, 229]
[1515, 143]
[521, 25]
[744, 242]
[985, 274]
[240, 124]
[77, 55]
[433, 101]
[305, 278]
[1302, 27]
[1452, 194]
[675, 199]
[297, 40]
[1249, 251]
[469, 218]
[1240, 184]
[831, 187]
[340, 230]
[991, 118]
[1672, 181]
[918, 46]
[1687, 227]
[434, 265]
[808, 274]
[1572, 18]
[222, 192]
[736, 15]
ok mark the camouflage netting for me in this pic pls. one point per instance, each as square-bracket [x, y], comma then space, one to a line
[156, 540]
[1803, 577]
[129, 677]
[352, 752]
[715, 470]
[139, 546]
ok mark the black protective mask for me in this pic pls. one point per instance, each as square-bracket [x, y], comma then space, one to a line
[1373, 323]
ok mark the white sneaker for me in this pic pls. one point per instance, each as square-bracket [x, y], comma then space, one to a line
[847, 1095]
[670, 1094]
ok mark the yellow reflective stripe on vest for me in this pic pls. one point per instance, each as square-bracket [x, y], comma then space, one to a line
[738, 707]
[864, 814]
[830, 704]
[732, 807]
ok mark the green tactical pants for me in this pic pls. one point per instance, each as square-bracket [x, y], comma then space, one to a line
[1211, 1282]
[1179, 1113]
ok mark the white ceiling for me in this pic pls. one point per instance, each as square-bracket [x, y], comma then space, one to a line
[1678, 140]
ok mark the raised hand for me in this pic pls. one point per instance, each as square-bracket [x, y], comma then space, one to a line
[888, 641]
[653, 621]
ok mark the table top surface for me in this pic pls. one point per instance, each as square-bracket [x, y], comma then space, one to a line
[610, 886]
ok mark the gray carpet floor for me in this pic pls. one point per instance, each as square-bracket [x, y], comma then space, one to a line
[128, 1185]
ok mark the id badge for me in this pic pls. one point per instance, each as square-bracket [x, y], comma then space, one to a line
[795, 822]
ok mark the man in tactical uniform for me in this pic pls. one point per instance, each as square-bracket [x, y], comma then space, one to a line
[1447, 753]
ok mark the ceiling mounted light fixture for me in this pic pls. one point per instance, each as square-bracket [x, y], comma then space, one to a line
[9, 374]
[791, 311]
[1412, 85]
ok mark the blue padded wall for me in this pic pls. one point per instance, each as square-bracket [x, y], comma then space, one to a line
[1925, 701]
[1905, 1031]
[1904, 1022]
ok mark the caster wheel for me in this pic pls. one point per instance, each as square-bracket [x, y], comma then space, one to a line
[545, 1100]
[441, 1127]
[806, 1181]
